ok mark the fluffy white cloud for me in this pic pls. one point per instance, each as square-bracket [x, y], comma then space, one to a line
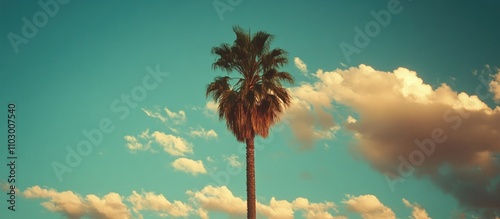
[210, 159]
[495, 86]
[149, 201]
[134, 145]
[300, 65]
[189, 166]
[175, 117]
[139, 143]
[308, 116]
[405, 127]
[350, 119]
[110, 206]
[233, 160]
[326, 134]
[211, 108]
[202, 133]
[65, 202]
[175, 146]
[201, 203]
[277, 209]
[74, 206]
[417, 211]
[369, 207]
[221, 199]
[156, 115]
[315, 210]
[174, 130]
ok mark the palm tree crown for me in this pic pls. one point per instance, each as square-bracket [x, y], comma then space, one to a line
[257, 99]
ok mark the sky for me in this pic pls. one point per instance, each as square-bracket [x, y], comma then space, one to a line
[394, 115]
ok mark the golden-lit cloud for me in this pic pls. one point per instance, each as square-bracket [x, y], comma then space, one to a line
[110, 206]
[233, 160]
[221, 199]
[72, 205]
[193, 167]
[149, 201]
[167, 115]
[139, 143]
[202, 133]
[211, 108]
[176, 117]
[405, 128]
[203, 203]
[174, 145]
[300, 65]
[418, 212]
[495, 86]
[369, 207]
[155, 114]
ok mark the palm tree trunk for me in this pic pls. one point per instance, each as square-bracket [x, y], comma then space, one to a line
[251, 210]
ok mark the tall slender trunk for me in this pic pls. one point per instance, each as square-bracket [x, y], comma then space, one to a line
[251, 210]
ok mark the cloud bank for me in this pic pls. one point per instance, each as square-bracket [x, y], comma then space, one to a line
[202, 203]
[404, 127]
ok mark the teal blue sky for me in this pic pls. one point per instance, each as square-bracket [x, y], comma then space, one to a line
[76, 70]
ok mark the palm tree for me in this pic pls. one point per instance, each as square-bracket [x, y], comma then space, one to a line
[256, 99]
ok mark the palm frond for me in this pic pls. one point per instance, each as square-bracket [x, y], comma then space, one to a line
[218, 87]
[261, 42]
[257, 100]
